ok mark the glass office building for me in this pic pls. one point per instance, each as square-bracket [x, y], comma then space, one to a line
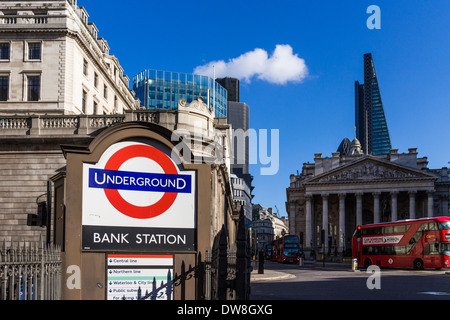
[162, 89]
[370, 120]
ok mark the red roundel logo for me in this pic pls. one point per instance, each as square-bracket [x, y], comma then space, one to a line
[128, 209]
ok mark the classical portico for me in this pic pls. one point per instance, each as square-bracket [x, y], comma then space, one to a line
[337, 194]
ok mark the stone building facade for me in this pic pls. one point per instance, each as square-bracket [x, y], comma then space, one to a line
[31, 155]
[59, 87]
[338, 193]
[52, 61]
[266, 227]
[54, 71]
[77, 90]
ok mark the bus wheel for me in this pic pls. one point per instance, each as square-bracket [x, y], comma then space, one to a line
[418, 264]
[367, 263]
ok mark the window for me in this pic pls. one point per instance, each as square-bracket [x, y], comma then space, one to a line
[105, 92]
[33, 88]
[431, 248]
[444, 225]
[34, 51]
[95, 80]
[96, 110]
[85, 67]
[84, 101]
[4, 88]
[4, 51]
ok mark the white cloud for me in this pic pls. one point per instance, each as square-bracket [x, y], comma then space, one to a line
[281, 67]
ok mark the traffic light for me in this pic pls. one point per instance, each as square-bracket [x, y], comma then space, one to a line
[358, 233]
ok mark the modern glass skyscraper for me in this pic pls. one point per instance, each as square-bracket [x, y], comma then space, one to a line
[162, 89]
[370, 120]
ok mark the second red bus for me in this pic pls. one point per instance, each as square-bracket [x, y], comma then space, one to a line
[286, 249]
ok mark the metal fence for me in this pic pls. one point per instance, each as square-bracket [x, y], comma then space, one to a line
[30, 272]
[228, 267]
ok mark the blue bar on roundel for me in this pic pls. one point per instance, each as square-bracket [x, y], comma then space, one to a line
[139, 181]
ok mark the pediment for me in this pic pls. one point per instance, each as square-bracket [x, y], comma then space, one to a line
[196, 106]
[369, 168]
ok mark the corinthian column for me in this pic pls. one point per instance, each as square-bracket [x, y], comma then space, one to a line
[341, 221]
[325, 218]
[430, 204]
[308, 211]
[394, 205]
[293, 213]
[376, 207]
[359, 209]
[412, 204]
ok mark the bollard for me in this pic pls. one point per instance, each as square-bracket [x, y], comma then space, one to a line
[300, 261]
[355, 264]
[260, 262]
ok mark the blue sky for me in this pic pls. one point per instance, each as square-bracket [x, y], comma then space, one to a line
[410, 51]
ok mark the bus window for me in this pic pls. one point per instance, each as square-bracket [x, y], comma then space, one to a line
[423, 227]
[445, 248]
[400, 250]
[432, 226]
[431, 248]
[444, 225]
[402, 228]
[388, 229]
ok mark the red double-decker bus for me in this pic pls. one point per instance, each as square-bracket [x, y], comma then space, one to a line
[419, 243]
[286, 249]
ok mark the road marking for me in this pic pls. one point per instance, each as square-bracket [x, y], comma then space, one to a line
[435, 293]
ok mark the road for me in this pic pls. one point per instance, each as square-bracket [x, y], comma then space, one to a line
[341, 283]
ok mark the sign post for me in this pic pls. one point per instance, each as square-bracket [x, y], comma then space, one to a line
[127, 194]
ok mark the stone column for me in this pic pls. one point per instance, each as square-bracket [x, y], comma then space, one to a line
[292, 217]
[444, 201]
[430, 204]
[308, 222]
[325, 218]
[359, 209]
[341, 233]
[394, 205]
[412, 204]
[376, 207]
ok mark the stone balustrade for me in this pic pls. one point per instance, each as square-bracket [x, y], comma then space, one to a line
[21, 125]
[28, 20]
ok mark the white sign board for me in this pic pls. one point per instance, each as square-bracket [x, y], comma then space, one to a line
[394, 239]
[137, 198]
[140, 277]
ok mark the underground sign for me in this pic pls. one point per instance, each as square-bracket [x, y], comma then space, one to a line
[137, 198]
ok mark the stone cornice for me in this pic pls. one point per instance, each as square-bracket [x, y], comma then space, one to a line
[369, 169]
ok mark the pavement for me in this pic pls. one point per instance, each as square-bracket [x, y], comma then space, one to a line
[271, 275]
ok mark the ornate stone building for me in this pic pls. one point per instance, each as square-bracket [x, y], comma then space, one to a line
[340, 192]
[60, 89]
[266, 226]
[59, 84]
[53, 61]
